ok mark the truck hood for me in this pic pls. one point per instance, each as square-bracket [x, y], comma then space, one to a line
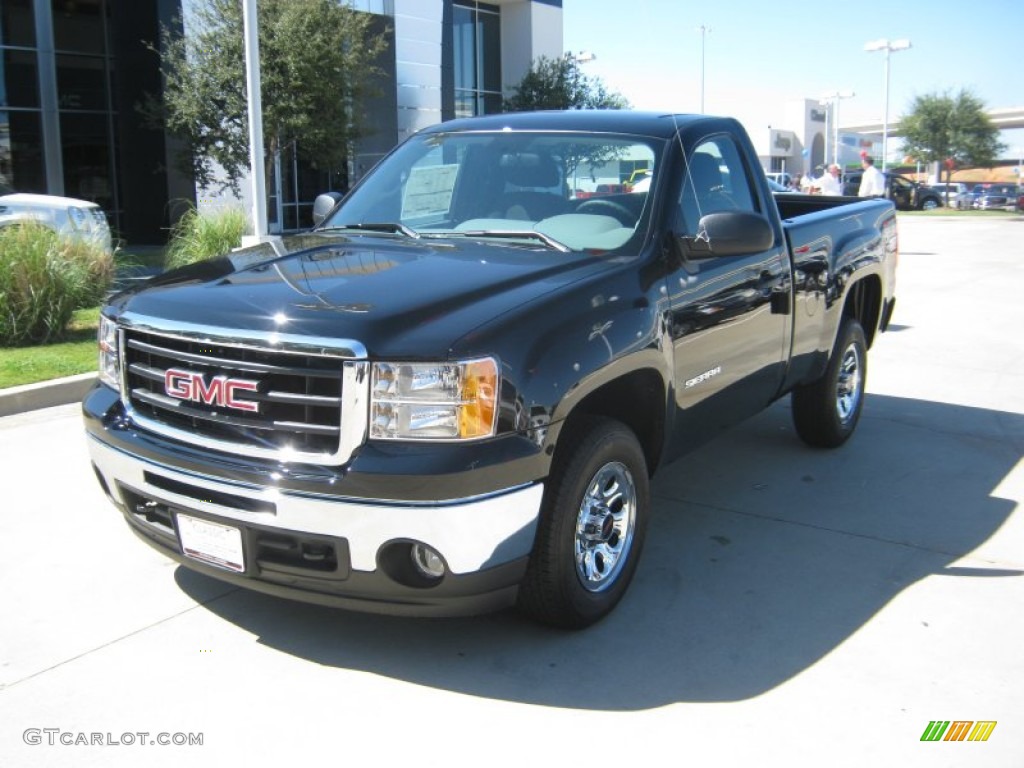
[396, 296]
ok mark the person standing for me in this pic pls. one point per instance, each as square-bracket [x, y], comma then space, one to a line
[829, 183]
[872, 183]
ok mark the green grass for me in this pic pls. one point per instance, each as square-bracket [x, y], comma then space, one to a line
[77, 354]
[43, 279]
[197, 236]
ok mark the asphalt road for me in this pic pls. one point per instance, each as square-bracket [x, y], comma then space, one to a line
[794, 607]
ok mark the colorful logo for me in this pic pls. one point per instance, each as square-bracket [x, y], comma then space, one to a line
[958, 730]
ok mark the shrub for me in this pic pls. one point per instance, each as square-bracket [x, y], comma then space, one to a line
[43, 279]
[199, 236]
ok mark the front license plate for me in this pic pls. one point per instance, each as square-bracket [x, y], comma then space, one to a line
[213, 543]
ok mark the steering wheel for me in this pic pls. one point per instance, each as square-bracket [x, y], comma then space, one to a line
[607, 208]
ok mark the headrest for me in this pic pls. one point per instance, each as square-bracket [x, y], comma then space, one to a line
[530, 170]
[704, 172]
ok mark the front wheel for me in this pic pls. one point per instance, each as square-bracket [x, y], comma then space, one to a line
[591, 528]
[826, 412]
[929, 204]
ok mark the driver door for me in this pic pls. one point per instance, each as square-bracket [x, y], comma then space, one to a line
[729, 345]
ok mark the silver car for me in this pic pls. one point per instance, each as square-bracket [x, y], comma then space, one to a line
[68, 217]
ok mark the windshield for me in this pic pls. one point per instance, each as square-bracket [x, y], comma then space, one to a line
[570, 191]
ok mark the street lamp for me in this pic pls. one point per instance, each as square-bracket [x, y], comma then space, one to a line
[833, 99]
[888, 46]
[257, 169]
[704, 32]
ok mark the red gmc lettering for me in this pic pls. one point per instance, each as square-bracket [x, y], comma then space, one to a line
[220, 390]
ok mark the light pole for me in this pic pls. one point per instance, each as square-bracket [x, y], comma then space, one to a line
[704, 32]
[888, 46]
[833, 99]
[257, 167]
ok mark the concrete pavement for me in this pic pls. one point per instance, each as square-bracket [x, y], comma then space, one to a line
[794, 607]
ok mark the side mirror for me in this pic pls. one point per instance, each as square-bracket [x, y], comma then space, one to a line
[323, 205]
[731, 233]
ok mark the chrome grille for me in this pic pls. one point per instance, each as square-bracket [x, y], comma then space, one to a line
[290, 407]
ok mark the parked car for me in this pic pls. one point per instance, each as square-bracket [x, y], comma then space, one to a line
[949, 191]
[996, 197]
[68, 217]
[430, 404]
[1020, 199]
[905, 194]
[782, 179]
[964, 201]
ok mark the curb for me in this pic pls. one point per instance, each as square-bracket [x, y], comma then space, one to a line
[45, 394]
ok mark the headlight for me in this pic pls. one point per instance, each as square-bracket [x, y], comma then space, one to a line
[110, 365]
[434, 401]
[78, 218]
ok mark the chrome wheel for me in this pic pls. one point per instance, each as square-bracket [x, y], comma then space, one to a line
[849, 384]
[604, 526]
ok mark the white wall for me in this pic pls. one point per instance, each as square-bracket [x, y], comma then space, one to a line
[418, 29]
[528, 30]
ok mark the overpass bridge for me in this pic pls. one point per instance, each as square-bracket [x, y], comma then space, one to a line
[1003, 119]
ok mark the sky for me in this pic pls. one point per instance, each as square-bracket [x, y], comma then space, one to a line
[760, 54]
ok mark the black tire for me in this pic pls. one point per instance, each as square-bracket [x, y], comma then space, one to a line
[585, 554]
[929, 204]
[826, 412]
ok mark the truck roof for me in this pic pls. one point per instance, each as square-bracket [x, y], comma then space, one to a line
[654, 124]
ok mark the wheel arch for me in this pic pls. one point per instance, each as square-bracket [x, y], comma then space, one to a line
[638, 400]
[864, 304]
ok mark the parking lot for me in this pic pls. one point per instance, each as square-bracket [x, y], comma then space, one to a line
[793, 607]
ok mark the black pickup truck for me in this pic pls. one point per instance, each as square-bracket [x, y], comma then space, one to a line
[451, 395]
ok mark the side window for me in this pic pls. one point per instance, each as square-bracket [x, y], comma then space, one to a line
[714, 180]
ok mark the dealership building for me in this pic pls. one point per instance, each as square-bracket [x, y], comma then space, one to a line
[72, 73]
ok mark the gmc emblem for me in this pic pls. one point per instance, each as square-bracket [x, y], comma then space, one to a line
[190, 385]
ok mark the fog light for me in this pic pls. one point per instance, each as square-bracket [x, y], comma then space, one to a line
[427, 561]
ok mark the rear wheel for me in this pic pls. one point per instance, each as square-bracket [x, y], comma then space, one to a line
[826, 412]
[592, 526]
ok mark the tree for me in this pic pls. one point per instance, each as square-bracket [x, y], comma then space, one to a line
[561, 84]
[317, 63]
[950, 130]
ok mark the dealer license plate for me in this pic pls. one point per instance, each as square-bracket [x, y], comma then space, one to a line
[213, 543]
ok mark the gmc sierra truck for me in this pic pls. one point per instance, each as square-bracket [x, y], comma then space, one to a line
[451, 395]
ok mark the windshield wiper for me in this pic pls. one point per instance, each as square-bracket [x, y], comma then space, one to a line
[383, 226]
[508, 234]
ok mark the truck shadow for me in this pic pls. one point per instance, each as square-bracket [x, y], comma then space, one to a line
[762, 557]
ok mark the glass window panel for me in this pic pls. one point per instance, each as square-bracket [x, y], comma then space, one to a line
[21, 152]
[19, 83]
[291, 221]
[312, 181]
[78, 26]
[490, 51]
[17, 23]
[463, 46]
[492, 103]
[465, 104]
[305, 216]
[477, 60]
[86, 142]
[81, 82]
